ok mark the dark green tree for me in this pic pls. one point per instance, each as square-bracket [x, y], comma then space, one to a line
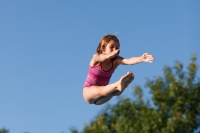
[3, 130]
[174, 108]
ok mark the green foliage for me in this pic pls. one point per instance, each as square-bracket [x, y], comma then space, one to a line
[3, 130]
[175, 109]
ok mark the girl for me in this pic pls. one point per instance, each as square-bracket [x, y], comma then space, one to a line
[97, 89]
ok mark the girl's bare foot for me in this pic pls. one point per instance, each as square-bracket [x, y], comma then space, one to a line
[117, 92]
[122, 81]
[131, 78]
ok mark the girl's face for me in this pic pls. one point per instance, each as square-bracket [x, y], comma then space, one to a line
[111, 46]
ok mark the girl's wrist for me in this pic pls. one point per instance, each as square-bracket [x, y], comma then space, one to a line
[141, 59]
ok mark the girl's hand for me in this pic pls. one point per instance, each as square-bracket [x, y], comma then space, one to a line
[146, 57]
[114, 53]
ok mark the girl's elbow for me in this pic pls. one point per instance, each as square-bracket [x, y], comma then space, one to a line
[95, 57]
[98, 58]
[127, 62]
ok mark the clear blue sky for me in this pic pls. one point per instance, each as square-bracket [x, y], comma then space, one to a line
[46, 46]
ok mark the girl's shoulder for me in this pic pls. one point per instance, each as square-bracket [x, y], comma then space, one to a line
[93, 62]
[116, 61]
[117, 58]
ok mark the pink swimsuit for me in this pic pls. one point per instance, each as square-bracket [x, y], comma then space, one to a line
[97, 76]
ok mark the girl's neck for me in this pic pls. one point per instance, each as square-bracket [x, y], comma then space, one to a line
[108, 61]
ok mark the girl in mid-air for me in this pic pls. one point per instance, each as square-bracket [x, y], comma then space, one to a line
[97, 89]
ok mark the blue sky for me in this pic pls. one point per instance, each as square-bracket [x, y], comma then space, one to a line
[46, 46]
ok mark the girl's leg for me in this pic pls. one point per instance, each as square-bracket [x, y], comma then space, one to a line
[117, 93]
[93, 93]
[104, 99]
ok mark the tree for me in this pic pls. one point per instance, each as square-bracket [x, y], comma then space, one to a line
[175, 108]
[3, 130]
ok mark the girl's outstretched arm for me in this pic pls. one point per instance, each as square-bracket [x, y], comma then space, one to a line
[102, 57]
[146, 57]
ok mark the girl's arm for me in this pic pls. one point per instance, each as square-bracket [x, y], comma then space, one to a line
[102, 57]
[146, 57]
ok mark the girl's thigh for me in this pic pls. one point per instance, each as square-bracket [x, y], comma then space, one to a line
[91, 94]
[103, 100]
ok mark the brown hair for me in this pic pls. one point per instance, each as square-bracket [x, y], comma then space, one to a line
[104, 41]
